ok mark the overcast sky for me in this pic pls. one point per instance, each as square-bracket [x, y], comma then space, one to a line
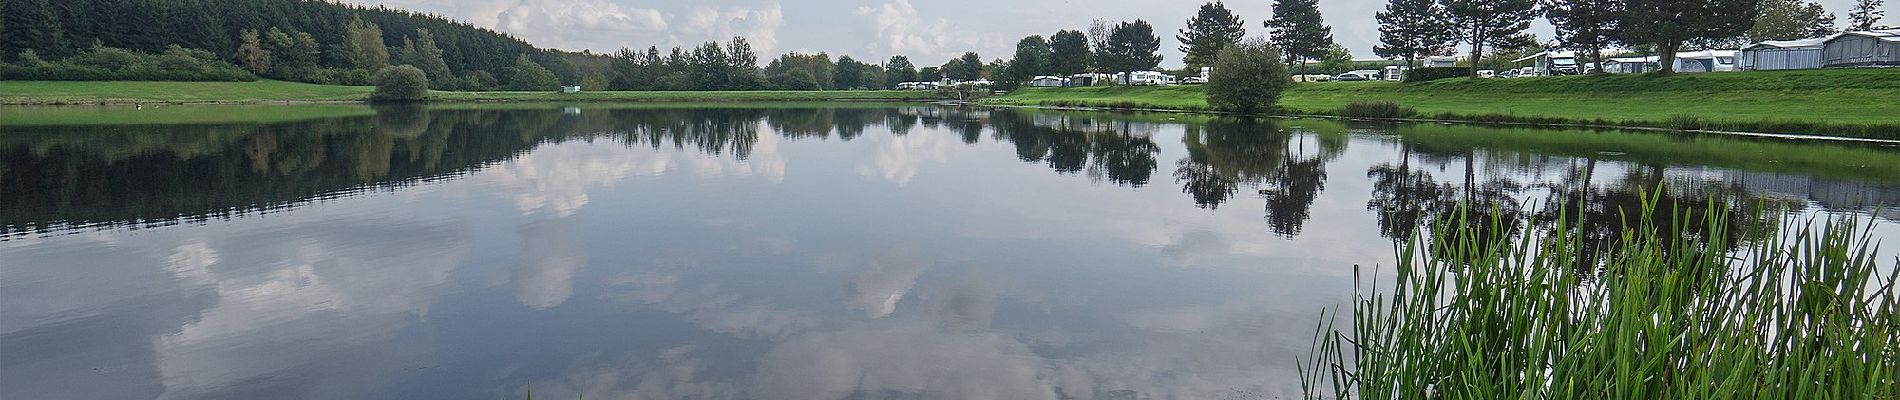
[930, 32]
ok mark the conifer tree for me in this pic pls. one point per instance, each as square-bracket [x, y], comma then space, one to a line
[1584, 25]
[1491, 23]
[1211, 30]
[251, 53]
[1299, 31]
[1413, 29]
[1131, 46]
[1865, 15]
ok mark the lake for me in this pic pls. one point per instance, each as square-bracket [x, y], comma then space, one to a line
[772, 252]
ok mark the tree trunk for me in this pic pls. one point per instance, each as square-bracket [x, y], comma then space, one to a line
[1596, 56]
[1477, 50]
[1667, 59]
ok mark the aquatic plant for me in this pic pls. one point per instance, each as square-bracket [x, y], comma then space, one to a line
[1804, 313]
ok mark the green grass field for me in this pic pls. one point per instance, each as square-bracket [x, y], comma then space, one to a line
[54, 93]
[1827, 102]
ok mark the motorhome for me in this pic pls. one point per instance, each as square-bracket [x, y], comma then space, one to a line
[1144, 78]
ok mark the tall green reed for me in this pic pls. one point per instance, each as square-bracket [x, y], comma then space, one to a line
[1479, 312]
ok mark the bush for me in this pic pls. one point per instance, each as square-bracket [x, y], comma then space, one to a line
[402, 83]
[1436, 73]
[1248, 78]
[112, 64]
[1375, 109]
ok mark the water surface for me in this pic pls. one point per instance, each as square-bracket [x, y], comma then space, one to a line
[781, 252]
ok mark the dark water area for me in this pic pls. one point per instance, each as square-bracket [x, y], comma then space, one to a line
[785, 252]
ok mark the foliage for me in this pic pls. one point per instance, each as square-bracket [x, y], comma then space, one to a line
[1424, 74]
[707, 67]
[529, 76]
[251, 53]
[1666, 25]
[1131, 46]
[1865, 15]
[1337, 60]
[1584, 25]
[851, 74]
[930, 74]
[1248, 78]
[1212, 29]
[1494, 23]
[422, 53]
[1484, 309]
[899, 70]
[363, 46]
[400, 83]
[1790, 20]
[1299, 31]
[1069, 52]
[1033, 57]
[794, 80]
[1414, 29]
[106, 63]
[819, 66]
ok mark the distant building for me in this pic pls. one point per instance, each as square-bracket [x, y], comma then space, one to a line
[1782, 54]
[1631, 65]
[1551, 63]
[1706, 61]
[1049, 81]
[1862, 49]
[570, 89]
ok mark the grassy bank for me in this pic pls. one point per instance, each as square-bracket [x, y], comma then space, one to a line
[1480, 310]
[1851, 102]
[56, 93]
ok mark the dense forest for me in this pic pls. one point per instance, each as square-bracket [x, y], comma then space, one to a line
[298, 40]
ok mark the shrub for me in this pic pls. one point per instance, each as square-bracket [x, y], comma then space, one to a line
[402, 83]
[1375, 109]
[1436, 73]
[112, 64]
[1247, 77]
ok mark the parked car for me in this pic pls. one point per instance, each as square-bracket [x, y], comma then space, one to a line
[1351, 77]
[1487, 73]
[1194, 80]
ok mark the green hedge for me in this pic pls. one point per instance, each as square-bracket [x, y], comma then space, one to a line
[1436, 73]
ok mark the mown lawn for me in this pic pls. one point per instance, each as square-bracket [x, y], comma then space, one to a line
[1820, 97]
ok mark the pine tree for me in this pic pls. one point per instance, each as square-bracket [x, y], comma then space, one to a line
[1584, 25]
[1670, 24]
[1865, 15]
[1299, 31]
[422, 53]
[251, 53]
[1070, 52]
[29, 25]
[1495, 23]
[1211, 30]
[1131, 46]
[1413, 29]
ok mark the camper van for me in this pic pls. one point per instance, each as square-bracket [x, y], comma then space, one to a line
[1145, 78]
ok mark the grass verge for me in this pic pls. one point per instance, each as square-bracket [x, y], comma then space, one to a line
[1488, 313]
[1845, 102]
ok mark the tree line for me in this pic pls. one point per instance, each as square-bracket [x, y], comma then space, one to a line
[297, 40]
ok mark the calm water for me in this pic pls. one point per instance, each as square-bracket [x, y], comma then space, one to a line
[767, 253]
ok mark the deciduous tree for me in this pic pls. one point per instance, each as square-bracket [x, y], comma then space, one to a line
[1790, 20]
[1248, 77]
[1032, 59]
[251, 53]
[1667, 25]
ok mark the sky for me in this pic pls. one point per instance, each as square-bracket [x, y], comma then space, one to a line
[929, 32]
